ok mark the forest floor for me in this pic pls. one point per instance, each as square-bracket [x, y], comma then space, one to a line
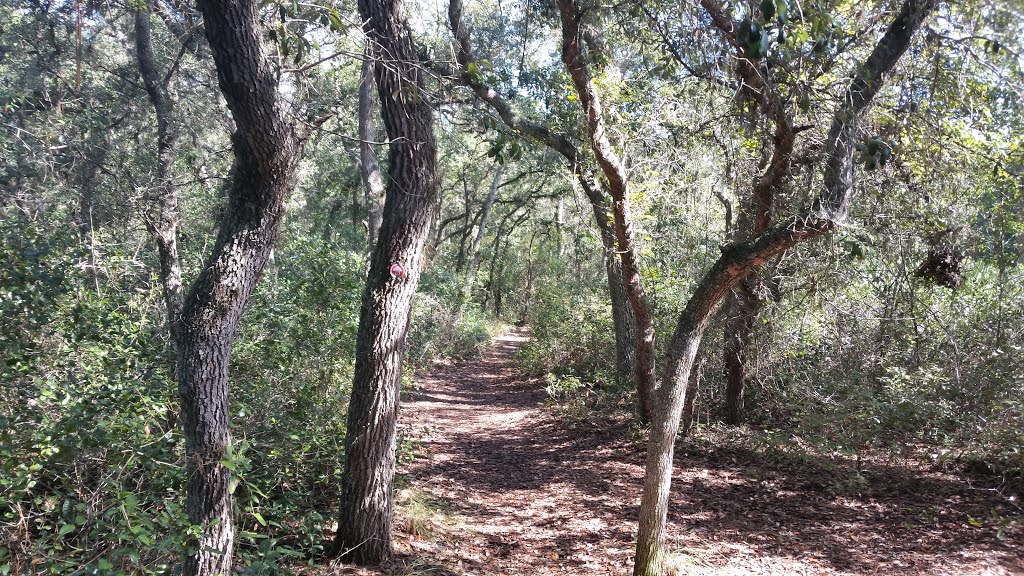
[496, 482]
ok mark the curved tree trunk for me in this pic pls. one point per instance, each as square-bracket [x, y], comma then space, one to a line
[364, 525]
[266, 152]
[755, 212]
[613, 169]
[478, 239]
[502, 232]
[739, 260]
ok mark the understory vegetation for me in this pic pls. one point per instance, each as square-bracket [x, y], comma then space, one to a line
[867, 361]
[93, 460]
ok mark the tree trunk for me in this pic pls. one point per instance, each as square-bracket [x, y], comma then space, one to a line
[525, 314]
[467, 225]
[661, 450]
[755, 211]
[624, 323]
[369, 168]
[742, 308]
[495, 254]
[364, 526]
[498, 284]
[475, 247]
[559, 222]
[739, 260]
[266, 153]
[692, 386]
[576, 62]
[163, 219]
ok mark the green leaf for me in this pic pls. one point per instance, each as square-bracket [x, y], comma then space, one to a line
[259, 518]
[66, 529]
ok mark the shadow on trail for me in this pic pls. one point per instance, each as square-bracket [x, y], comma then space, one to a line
[888, 520]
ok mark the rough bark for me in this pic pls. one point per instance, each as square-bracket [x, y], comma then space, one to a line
[740, 259]
[369, 168]
[741, 310]
[266, 151]
[163, 218]
[364, 527]
[624, 319]
[624, 324]
[618, 185]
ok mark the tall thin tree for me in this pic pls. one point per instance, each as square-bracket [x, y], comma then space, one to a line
[163, 218]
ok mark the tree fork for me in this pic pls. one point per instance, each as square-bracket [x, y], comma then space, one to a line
[741, 259]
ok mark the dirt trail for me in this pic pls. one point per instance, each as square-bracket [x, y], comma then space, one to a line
[532, 496]
[526, 494]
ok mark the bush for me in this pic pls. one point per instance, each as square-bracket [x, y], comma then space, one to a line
[444, 328]
[93, 465]
[572, 334]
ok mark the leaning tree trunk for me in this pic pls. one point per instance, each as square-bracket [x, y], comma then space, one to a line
[613, 169]
[474, 248]
[739, 260]
[754, 218]
[502, 232]
[364, 525]
[266, 152]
